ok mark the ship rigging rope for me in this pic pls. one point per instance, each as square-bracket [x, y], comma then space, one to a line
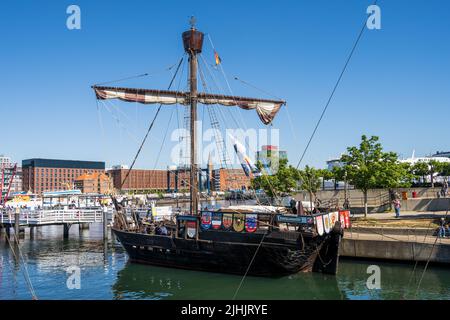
[138, 76]
[237, 124]
[429, 257]
[150, 126]
[361, 32]
[417, 261]
[206, 88]
[225, 77]
[26, 275]
[273, 96]
[170, 119]
[311, 137]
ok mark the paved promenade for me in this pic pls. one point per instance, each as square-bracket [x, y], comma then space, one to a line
[404, 215]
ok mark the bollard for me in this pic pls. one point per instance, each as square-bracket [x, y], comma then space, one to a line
[17, 223]
[105, 223]
[66, 230]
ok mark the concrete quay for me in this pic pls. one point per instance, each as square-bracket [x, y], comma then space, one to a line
[396, 247]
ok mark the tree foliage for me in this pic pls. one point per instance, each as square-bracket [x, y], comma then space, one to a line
[310, 179]
[284, 181]
[368, 166]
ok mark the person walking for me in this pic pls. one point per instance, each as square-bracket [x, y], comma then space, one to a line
[445, 188]
[397, 206]
[441, 233]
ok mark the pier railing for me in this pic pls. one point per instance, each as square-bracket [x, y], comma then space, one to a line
[42, 217]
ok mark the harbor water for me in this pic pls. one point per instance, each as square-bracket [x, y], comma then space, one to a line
[105, 273]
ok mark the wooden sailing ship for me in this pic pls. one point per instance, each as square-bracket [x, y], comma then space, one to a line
[232, 241]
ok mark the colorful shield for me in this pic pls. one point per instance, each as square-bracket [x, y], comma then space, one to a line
[216, 220]
[206, 220]
[191, 229]
[326, 223]
[238, 222]
[319, 225]
[251, 222]
[227, 220]
[347, 219]
[342, 218]
[334, 217]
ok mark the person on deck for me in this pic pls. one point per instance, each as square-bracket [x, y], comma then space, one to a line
[397, 206]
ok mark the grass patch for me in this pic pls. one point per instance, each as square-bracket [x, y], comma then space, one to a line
[396, 223]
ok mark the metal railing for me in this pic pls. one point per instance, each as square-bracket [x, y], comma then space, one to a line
[41, 217]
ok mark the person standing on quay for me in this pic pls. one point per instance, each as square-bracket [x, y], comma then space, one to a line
[397, 206]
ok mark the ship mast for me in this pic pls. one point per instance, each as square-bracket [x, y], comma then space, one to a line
[193, 42]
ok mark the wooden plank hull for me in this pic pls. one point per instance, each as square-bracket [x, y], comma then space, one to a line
[229, 252]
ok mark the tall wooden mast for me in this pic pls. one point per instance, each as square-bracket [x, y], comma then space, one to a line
[193, 42]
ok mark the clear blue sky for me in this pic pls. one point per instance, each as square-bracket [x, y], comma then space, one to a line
[396, 86]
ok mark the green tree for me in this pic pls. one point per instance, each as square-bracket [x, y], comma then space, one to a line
[284, 181]
[310, 181]
[325, 174]
[445, 170]
[434, 167]
[420, 170]
[368, 167]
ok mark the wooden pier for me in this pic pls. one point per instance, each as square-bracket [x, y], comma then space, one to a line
[43, 217]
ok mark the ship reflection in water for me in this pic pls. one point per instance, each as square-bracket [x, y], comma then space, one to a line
[107, 274]
[148, 282]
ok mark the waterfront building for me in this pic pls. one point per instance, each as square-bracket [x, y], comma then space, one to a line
[97, 182]
[440, 154]
[140, 180]
[176, 179]
[334, 163]
[439, 158]
[267, 154]
[230, 179]
[5, 162]
[7, 180]
[41, 175]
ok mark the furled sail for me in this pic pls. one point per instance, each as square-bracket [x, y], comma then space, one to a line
[266, 109]
[145, 96]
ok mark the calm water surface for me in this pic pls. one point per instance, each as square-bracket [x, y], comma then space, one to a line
[106, 274]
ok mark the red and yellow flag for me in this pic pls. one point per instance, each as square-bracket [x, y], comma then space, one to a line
[217, 58]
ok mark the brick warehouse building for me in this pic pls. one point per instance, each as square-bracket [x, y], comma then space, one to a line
[230, 179]
[148, 180]
[41, 175]
[94, 183]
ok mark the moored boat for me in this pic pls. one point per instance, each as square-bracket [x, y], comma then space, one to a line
[266, 242]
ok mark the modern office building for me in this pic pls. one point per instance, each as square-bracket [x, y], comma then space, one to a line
[41, 175]
[268, 152]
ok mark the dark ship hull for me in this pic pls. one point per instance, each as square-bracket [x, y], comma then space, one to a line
[279, 253]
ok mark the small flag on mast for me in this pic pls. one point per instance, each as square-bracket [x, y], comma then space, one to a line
[217, 58]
